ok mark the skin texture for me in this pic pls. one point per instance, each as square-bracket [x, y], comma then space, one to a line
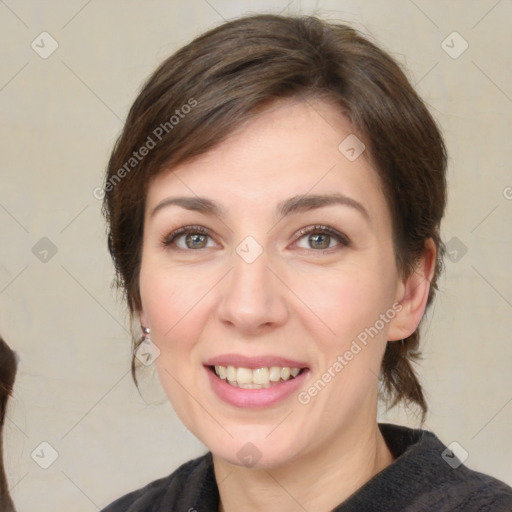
[295, 300]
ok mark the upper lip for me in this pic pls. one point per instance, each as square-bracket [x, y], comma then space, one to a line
[253, 362]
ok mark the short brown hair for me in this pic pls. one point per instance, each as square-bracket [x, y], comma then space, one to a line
[208, 88]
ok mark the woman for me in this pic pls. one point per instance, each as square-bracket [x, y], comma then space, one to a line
[7, 373]
[274, 205]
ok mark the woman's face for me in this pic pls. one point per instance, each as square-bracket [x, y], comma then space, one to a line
[268, 276]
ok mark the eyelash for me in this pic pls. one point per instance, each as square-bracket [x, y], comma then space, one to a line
[318, 229]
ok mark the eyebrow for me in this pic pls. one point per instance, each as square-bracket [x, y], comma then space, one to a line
[293, 205]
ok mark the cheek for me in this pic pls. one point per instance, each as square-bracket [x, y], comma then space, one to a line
[173, 300]
[173, 308]
[166, 294]
[342, 304]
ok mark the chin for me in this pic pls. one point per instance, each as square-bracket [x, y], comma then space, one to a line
[249, 456]
[256, 451]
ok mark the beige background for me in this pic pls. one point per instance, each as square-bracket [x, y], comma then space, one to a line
[60, 117]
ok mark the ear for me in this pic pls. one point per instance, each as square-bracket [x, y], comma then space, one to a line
[412, 295]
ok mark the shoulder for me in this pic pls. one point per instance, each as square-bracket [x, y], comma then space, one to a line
[427, 475]
[455, 484]
[176, 491]
[464, 491]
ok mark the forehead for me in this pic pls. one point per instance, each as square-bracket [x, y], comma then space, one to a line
[292, 147]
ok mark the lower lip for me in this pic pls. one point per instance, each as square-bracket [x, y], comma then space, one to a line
[253, 398]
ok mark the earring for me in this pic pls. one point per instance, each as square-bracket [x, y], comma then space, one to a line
[147, 351]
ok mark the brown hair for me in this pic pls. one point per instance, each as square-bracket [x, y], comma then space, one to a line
[8, 366]
[208, 88]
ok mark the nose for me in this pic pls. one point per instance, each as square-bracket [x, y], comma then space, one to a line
[253, 297]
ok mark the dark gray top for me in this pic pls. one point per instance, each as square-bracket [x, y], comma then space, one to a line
[419, 479]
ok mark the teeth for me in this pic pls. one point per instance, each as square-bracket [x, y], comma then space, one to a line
[261, 375]
[231, 373]
[244, 376]
[275, 373]
[221, 371]
[258, 378]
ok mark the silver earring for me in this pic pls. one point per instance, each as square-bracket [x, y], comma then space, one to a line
[147, 350]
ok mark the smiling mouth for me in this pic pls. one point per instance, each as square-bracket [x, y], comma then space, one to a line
[257, 378]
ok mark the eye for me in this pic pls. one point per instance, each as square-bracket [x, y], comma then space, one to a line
[196, 237]
[188, 237]
[321, 237]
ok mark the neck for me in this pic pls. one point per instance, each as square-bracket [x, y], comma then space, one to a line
[316, 481]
